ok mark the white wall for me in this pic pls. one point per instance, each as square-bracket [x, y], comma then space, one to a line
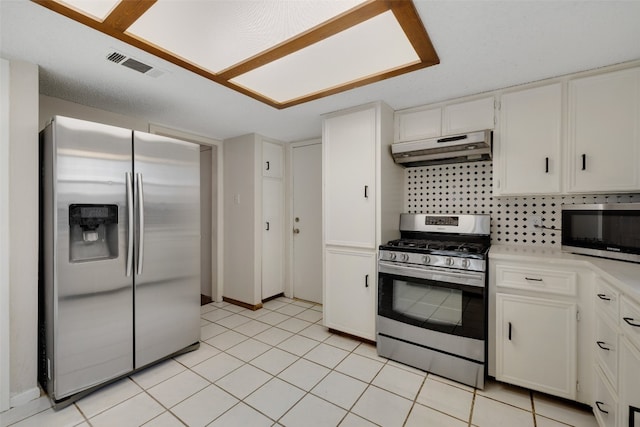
[241, 278]
[23, 231]
[50, 107]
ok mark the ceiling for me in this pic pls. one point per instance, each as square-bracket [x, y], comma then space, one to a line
[482, 45]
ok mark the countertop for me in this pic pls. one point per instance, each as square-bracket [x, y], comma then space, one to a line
[623, 275]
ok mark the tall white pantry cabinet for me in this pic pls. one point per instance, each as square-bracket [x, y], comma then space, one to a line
[362, 201]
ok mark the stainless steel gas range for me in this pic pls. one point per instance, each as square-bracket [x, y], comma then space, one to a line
[432, 296]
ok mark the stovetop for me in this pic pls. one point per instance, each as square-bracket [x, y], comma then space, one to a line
[427, 246]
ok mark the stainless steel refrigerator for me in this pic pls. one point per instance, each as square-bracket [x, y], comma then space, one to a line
[119, 256]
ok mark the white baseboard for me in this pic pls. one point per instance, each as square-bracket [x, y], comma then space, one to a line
[25, 397]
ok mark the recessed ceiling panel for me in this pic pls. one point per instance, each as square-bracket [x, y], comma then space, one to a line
[373, 47]
[96, 8]
[218, 34]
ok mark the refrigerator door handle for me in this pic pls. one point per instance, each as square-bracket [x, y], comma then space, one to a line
[130, 223]
[141, 222]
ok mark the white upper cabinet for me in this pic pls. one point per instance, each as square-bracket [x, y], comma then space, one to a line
[350, 179]
[272, 157]
[528, 146]
[421, 123]
[418, 124]
[604, 133]
[468, 116]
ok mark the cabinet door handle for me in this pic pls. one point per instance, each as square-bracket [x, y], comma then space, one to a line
[630, 321]
[267, 225]
[598, 403]
[584, 162]
[601, 344]
[509, 331]
[530, 279]
[366, 191]
[546, 165]
[604, 297]
[268, 166]
[366, 281]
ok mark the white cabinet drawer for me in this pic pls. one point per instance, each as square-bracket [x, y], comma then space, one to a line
[605, 403]
[606, 299]
[536, 279]
[630, 320]
[607, 348]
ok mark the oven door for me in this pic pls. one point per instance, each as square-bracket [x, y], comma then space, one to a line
[439, 299]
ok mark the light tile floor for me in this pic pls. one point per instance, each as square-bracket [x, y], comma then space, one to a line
[279, 366]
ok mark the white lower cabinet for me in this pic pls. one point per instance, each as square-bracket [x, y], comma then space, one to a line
[536, 344]
[629, 385]
[350, 291]
[272, 237]
[616, 396]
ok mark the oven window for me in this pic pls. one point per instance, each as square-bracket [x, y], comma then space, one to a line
[428, 303]
[436, 305]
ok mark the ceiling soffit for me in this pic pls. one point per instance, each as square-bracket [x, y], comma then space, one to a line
[255, 75]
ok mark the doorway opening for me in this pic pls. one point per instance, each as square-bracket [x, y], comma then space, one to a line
[211, 231]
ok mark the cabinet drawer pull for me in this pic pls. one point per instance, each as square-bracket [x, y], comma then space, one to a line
[546, 165]
[366, 281]
[604, 297]
[267, 226]
[366, 191]
[598, 403]
[509, 331]
[532, 279]
[584, 162]
[268, 166]
[630, 321]
[601, 344]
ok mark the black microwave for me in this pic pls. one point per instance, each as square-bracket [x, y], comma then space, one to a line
[604, 230]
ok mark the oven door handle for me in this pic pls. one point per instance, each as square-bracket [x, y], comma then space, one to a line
[460, 277]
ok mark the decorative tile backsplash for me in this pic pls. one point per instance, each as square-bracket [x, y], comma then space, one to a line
[466, 188]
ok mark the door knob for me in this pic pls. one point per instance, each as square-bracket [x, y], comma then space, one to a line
[296, 231]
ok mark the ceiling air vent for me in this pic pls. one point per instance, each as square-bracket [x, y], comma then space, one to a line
[134, 64]
[116, 57]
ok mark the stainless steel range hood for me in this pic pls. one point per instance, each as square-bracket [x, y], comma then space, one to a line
[467, 147]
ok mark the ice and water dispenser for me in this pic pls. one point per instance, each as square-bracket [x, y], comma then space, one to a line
[93, 232]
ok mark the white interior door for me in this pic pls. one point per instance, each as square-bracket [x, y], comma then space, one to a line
[307, 218]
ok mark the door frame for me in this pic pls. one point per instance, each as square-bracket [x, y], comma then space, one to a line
[288, 288]
[216, 293]
[5, 336]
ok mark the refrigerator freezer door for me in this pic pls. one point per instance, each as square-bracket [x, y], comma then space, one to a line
[167, 273]
[91, 300]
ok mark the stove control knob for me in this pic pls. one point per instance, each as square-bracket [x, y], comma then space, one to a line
[405, 257]
[465, 263]
[392, 256]
[449, 261]
[426, 259]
